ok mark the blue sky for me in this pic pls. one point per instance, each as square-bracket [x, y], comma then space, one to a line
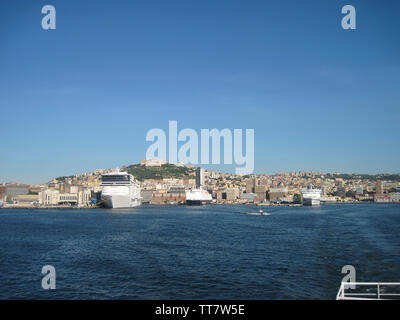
[83, 96]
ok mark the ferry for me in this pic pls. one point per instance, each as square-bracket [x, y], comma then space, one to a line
[198, 196]
[120, 190]
[311, 196]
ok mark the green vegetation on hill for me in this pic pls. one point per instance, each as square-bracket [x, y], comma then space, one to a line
[165, 171]
[63, 178]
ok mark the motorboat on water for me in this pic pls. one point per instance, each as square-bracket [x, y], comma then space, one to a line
[260, 212]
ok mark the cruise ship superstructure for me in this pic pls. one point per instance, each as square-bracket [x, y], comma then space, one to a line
[311, 196]
[120, 190]
[198, 196]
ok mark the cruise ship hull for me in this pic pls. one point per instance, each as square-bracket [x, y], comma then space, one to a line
[197, 202]
[120, 202]
[197, 197]
[311, 196]
[311, 202]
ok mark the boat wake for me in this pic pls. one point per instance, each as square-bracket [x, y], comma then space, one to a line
[258, 213]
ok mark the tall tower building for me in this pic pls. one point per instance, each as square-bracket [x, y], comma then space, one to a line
[379, 187]
[199, 177]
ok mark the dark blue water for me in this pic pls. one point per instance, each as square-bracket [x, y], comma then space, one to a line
[212, 252]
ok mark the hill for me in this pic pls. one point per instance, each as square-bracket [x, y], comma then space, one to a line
[165, 171]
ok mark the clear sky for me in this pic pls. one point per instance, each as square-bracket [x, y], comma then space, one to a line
[83, 96]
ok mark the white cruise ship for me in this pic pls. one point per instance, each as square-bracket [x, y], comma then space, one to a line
[120, 190]
[311, 196]
[198, 196]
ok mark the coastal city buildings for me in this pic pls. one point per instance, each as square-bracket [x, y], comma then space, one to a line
[84, 190]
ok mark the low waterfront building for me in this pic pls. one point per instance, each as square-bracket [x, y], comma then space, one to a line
[25, 200]
[364, 197]
[146, 195]
[14, 190]
[85, 197]
[227, 195]
[395, 197]
[287, 199]
[48, 197]
[261, 193]
[382, 198]
[217, 194]
[328, 199]
[232, 194]
[276, 194]
[165, 197]
[249, 197]
[51, 197]
[67, 198]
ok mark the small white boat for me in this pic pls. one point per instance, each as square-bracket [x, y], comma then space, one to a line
[259, 213]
